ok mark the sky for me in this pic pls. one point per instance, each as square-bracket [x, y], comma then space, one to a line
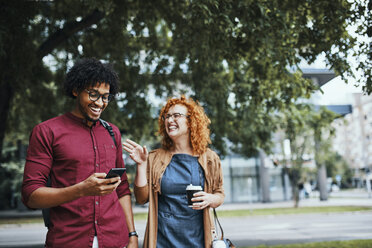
[337, 92]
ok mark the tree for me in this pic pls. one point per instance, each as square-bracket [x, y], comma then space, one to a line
[232, 56]
[309, 131]
[294, 123]
[337, 166]
[364, 49]
[323, 131]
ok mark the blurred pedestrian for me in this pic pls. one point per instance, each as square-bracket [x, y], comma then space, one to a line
[75, 151]
[163, 175]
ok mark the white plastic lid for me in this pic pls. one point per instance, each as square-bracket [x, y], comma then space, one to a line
[194, 187]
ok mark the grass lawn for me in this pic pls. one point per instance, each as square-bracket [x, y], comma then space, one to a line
[331, 244]
[32, 220]
[300, 210]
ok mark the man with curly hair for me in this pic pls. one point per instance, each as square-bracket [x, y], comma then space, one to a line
[75, 151]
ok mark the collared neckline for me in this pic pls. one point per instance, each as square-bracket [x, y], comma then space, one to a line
[80, 120]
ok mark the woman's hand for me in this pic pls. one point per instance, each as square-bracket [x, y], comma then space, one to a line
[136, 152]
[202, 200]
[139, 155]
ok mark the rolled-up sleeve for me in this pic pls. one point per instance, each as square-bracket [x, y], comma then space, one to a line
[141, 194]
[39, 161]
[218, 178]
[123, 188]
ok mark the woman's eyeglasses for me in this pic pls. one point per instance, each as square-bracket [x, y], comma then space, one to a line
[175, 116]
[95, 95]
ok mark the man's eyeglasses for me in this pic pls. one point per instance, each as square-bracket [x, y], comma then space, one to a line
[95, 95]
[175, 116]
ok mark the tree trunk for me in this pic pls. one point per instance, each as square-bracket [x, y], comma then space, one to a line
[294, 177]
[322, 183]
[6, 95]
[264, 178]
[296, 195]
[294, 183]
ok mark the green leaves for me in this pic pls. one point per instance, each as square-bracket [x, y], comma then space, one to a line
[232, 56]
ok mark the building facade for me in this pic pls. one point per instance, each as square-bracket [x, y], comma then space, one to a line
[254, 179]
[353, 137]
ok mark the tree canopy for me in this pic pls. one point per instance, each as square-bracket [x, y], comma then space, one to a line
[239, 59]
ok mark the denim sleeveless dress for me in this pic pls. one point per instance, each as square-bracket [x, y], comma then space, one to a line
[178, 224]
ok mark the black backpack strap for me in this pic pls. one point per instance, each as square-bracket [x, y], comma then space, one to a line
[109, 129]
[46, 211]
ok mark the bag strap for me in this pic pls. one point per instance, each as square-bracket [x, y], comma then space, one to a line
[215, 232]
[109, 129]
[216, 221]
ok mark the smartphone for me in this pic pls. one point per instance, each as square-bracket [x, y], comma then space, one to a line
[115, 172]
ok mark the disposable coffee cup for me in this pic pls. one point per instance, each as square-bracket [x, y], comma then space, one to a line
[190, 191]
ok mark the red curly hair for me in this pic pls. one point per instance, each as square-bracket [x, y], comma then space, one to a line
[198, 123]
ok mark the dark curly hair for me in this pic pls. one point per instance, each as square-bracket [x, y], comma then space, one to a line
[88, 72]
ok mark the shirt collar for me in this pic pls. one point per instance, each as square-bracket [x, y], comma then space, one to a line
[79, 120]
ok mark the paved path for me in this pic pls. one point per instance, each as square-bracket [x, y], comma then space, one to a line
[299, 228]
[243, 231]
[246, 231]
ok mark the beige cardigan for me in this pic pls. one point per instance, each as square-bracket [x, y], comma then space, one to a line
[157, 162]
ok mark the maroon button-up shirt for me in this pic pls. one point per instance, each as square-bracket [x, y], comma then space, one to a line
[70, 151]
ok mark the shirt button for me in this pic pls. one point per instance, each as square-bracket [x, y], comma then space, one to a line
[95, 148]
[112, 146]
[95, 222]
[96, 202]
[97, 165]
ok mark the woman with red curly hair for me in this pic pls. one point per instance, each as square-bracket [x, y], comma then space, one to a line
[163, 175]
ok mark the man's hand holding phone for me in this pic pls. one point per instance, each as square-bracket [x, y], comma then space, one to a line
[102, 183]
